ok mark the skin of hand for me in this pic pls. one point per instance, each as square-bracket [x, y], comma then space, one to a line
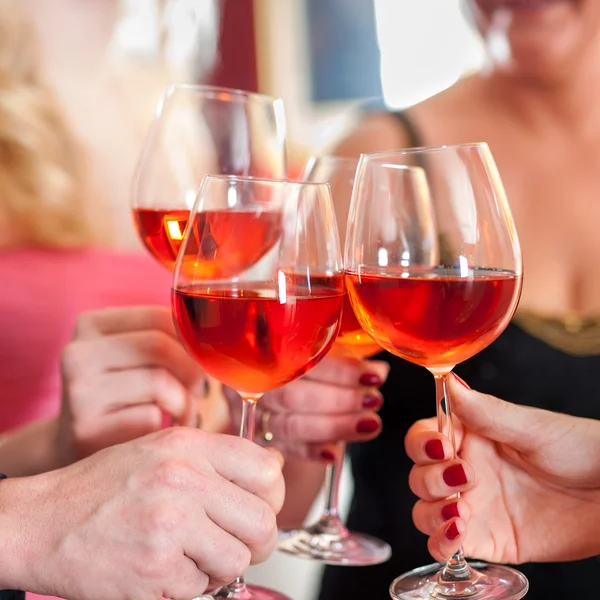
[166, 515]
[529, 481]
[125, 374]
[336, 401]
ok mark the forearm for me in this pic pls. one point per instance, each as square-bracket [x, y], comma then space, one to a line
[30, 450]
[303, 481]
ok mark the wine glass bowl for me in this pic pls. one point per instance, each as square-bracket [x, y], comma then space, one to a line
[434, 273]
[200, 130]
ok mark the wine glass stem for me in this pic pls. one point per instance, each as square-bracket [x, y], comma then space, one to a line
[247, 421]
[332, 483]
[238, 589]
[456, 568]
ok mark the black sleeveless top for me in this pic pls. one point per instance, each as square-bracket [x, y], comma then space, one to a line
[538, 362]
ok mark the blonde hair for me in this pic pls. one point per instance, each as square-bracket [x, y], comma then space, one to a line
[43, 200]
[39, 174]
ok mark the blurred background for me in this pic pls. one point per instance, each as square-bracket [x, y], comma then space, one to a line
[327, 59]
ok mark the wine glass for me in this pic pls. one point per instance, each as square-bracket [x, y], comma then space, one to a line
[434, 270]
[328, 540]
[200, 130]
[258, 290]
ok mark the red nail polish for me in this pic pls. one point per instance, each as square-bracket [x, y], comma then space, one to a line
[461, 381]
[370, 380]
[367, 426]
[328, 455]
[372, 401]
[455, 476]
[452, 531]
[450, 511]
[435, 449]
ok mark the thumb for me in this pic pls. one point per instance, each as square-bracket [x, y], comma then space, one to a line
[521, 427]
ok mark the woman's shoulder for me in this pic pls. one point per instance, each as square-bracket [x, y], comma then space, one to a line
[446, 117]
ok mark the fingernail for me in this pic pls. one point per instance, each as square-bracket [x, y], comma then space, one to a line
[452, 531]
[370, 380]
[328, 455]
[455, 476]
[450, 511]
[435, 449]
[461, 381]
[367, 426]
[372, 401]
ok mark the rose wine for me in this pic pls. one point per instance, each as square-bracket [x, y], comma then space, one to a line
[259, 336]
[222, 244]
[353, 341]
[161, 232]
[435, 318]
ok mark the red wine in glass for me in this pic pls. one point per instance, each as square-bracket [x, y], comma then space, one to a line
[251, 340]
[228, 242]
[161, 231]
[353, 341]
[436, 318]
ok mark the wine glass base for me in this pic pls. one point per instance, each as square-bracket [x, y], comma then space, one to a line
[488, 582]
[244, 592]
[351, 549]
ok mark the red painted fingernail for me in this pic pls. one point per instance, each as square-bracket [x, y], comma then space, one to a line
[461, 381]
[450, 511]
[372, 401]
[328, 455]
[367, 426]
[455, 476]
[370, 379]
[435, 449]
[452, 531]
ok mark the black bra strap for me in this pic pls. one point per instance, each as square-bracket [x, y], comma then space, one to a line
[414, 136]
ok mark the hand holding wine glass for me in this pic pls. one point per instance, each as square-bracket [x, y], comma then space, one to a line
[433, 268]
[258, 323]
[532, 491]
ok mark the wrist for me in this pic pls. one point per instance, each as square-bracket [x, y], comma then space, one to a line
[13, 534]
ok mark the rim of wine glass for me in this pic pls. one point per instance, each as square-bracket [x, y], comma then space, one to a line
[217, 91]
[421, 149]
[332, 158]
[252, 179]
[327, 158]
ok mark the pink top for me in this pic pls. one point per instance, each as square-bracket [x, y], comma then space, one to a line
[42, 292]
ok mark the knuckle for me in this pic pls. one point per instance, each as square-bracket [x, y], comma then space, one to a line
[265, 524]
[236, 564]
[156, 561]
[262, 551]
[157, 344]
[160, 380]
[174, 474]
[286, 397]
[85, 325]
[179, 438]
[163, 517]
[270, 471]
[291, 426]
